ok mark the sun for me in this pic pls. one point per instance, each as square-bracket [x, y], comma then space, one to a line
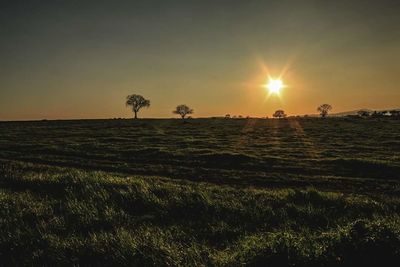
[275, 86]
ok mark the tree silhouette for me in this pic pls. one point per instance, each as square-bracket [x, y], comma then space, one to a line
[377, 114]
[137, 102]
[183, 110]
[363, 113]
[324, 109]
[279, 114]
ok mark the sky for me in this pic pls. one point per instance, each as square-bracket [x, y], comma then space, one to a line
[80, 59]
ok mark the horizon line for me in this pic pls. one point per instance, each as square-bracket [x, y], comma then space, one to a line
[205, 117]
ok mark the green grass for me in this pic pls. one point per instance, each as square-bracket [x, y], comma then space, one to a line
[217, 194]
[67, 216]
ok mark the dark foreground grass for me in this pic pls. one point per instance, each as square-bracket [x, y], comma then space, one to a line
[255, 192]
[65, 216]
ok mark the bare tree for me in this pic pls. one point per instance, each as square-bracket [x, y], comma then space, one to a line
[279, 114]
[324, 110]
[137, 102]
[183, 110]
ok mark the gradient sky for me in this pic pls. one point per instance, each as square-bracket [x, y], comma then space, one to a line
[79, 59]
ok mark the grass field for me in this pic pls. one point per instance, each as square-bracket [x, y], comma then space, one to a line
[214, 192]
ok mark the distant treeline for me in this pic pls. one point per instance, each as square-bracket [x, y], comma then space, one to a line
[137, 102]
[378, 114]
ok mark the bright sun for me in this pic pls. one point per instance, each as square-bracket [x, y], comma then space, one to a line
[275, 86]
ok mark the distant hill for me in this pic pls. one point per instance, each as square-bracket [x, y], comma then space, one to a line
[353, 112]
